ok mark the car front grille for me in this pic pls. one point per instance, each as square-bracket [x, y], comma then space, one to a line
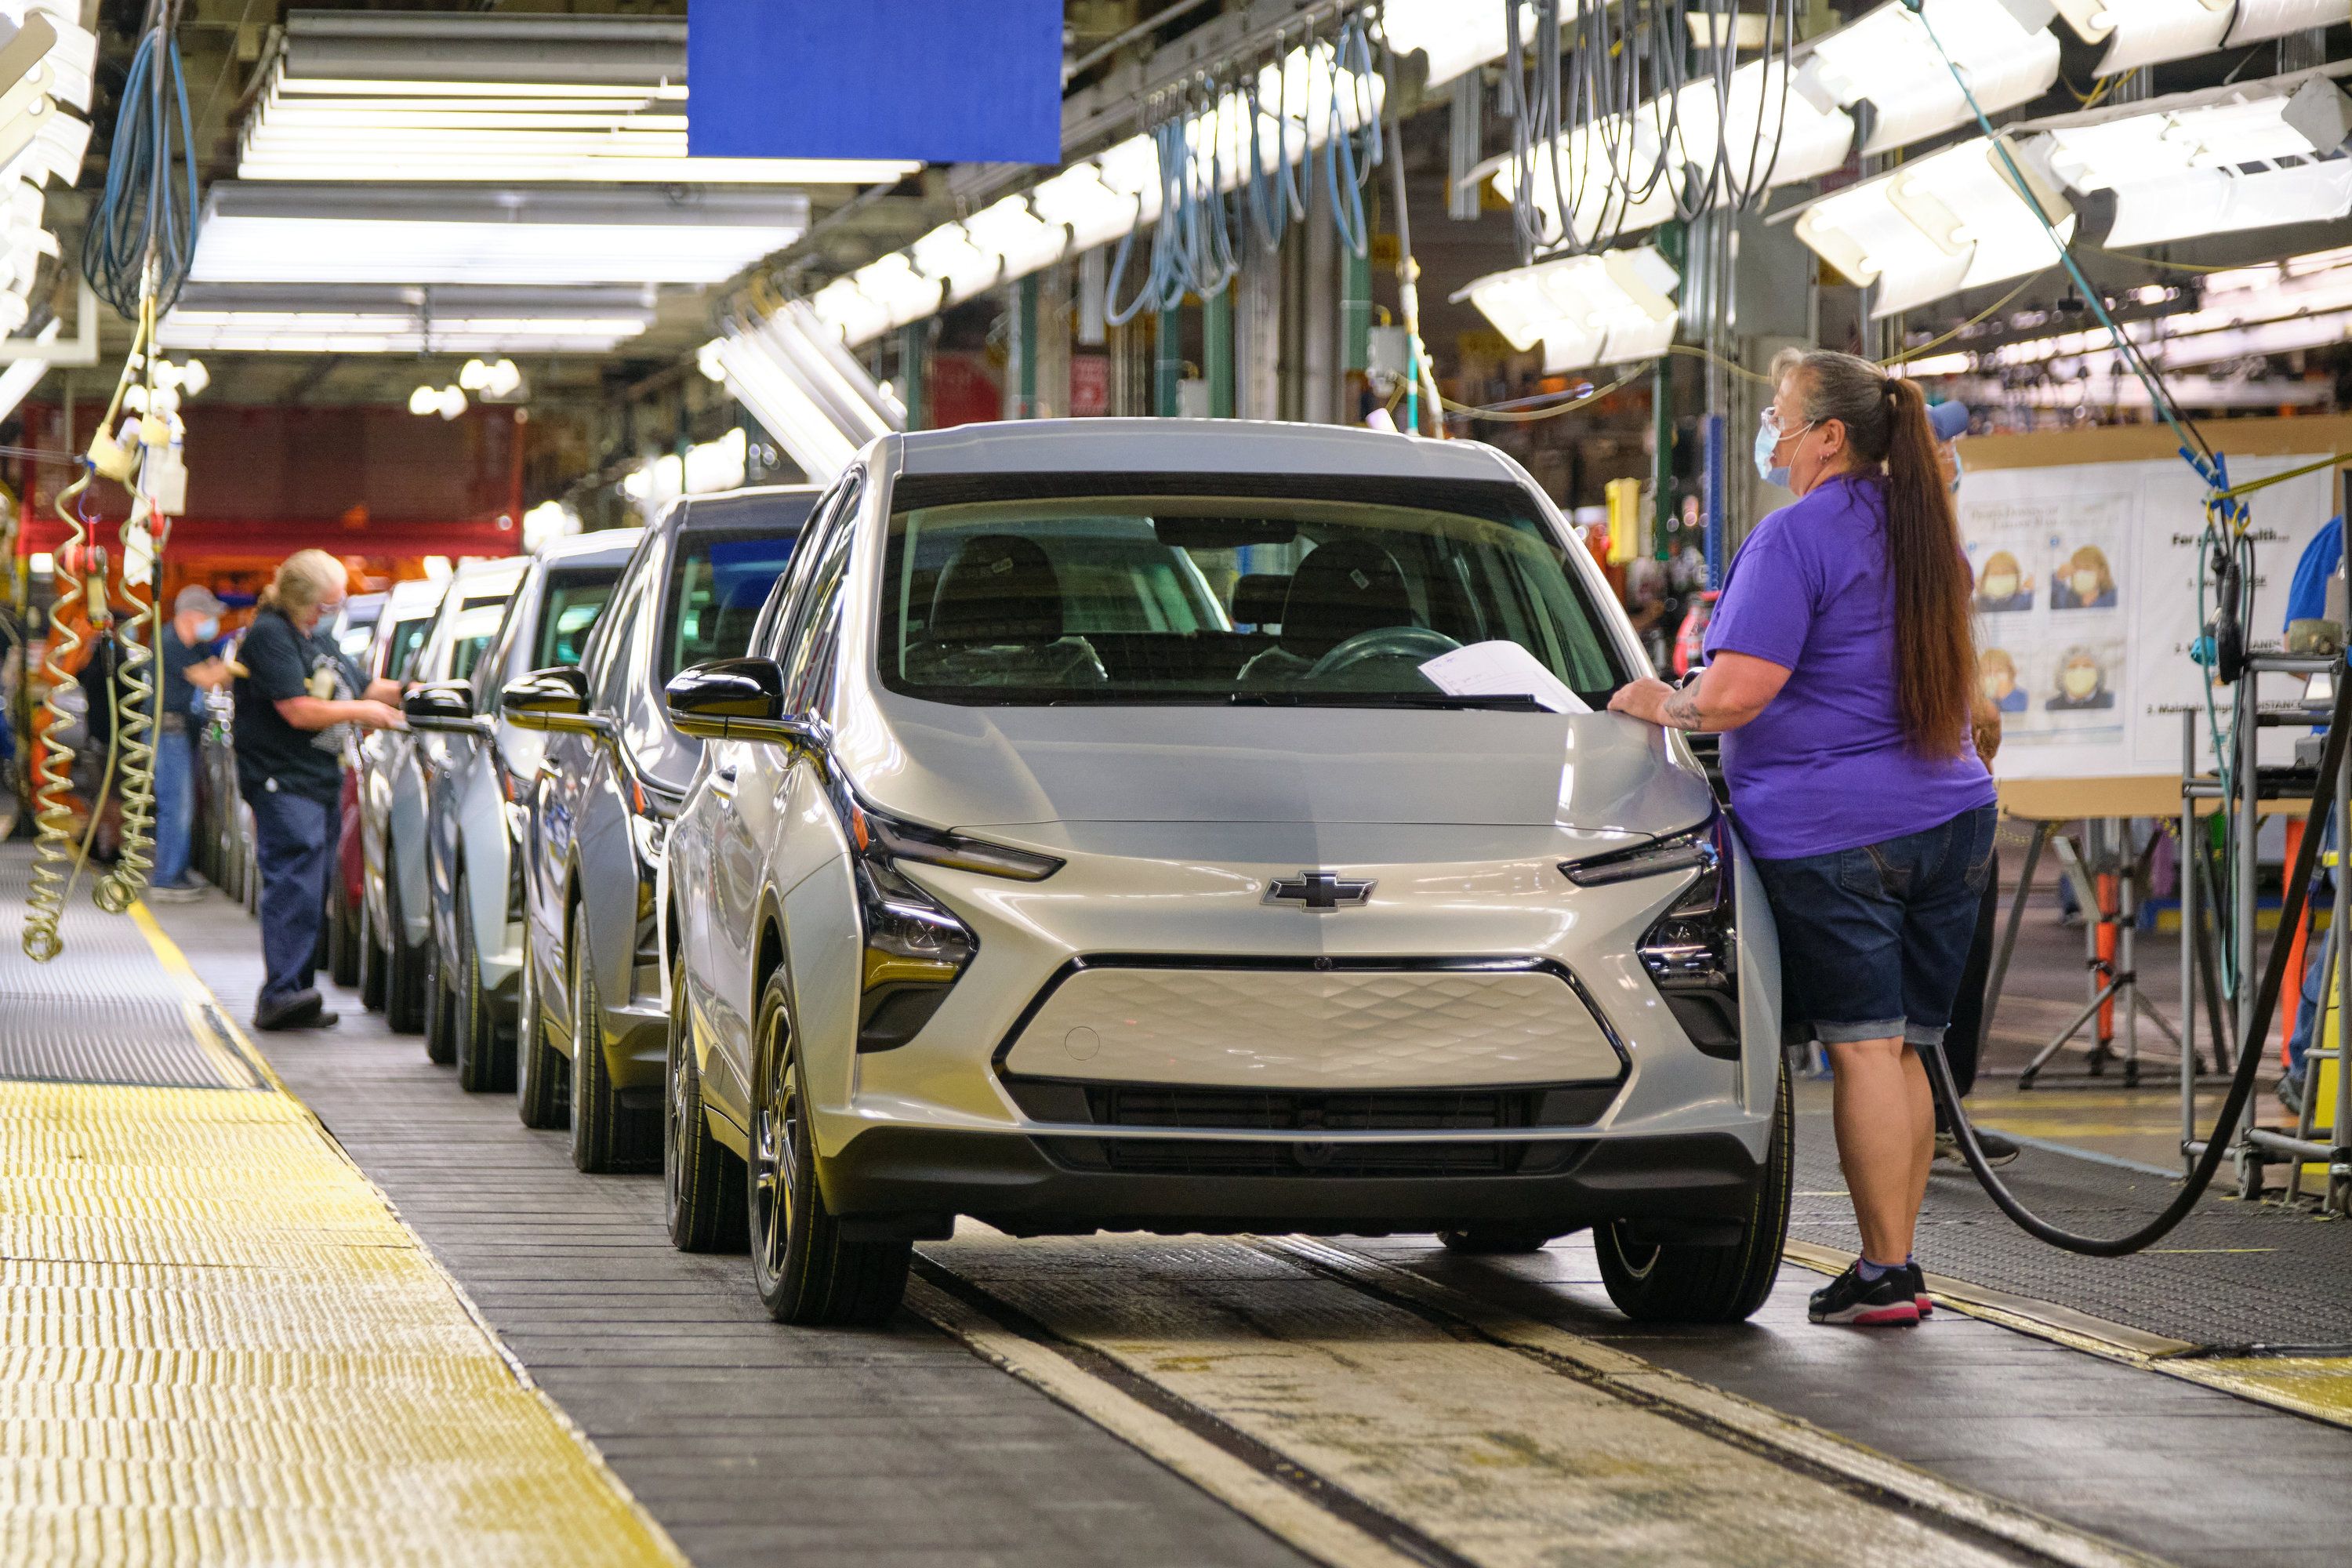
[1196, 1108]
[1329, 1161]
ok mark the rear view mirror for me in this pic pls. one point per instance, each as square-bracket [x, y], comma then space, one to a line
[554, 701]
[1222, 532]
[735, 700]
[444, 707]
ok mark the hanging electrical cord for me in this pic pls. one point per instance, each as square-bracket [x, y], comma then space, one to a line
[143, 533]
[146, 214]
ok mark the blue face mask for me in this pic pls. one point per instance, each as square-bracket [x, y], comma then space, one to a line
[1767, 440]
[1958, 468]
[208, 628]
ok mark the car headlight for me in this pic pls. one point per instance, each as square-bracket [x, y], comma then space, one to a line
[916, 948]
[1691, 950]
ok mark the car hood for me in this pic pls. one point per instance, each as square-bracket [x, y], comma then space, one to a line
[988, 767]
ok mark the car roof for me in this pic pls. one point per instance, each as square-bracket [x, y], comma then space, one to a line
[1190, 447]
[600, 547]
[410, 597]
[472, 574]
[755, 507]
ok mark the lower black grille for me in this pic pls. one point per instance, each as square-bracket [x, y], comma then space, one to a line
[1300, 1110]
[1205, 1157]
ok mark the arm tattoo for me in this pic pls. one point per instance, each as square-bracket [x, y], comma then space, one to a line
[1682, 709]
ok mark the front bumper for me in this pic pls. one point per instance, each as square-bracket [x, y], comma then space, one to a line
[1693, 1186]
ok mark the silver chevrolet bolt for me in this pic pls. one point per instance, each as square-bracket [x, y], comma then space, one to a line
[1202, 826]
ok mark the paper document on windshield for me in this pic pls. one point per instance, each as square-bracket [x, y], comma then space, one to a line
[1501, 668]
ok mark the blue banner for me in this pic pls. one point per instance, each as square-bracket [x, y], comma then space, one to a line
[940, 80]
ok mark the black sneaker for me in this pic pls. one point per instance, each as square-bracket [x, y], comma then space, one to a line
[1926, 1303]
[1997, 1150]
[302, 1010]
[1889, 1303]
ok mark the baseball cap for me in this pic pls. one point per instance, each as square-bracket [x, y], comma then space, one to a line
[197, 598]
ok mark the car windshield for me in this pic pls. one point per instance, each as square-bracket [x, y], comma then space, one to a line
[473, 633]
[1291, 598]
[567, 612]
[718, 583]
[402, 645]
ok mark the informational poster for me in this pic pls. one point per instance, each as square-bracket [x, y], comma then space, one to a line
[2087, 605]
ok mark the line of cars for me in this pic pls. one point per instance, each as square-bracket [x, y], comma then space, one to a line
[1060, 825]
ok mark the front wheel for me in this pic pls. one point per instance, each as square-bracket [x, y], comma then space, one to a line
[542, 1076]
[484, 1052]
[342, 936]
[804, 1269]
[702, 1181]
[606, 1135]
[1672, 1283]
[440, 1013]
[403, 967]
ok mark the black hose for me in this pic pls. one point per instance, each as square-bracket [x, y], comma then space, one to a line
[2255, 1026]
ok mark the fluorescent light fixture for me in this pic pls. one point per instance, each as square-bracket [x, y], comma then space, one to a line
[1950, 221]
[486, 323]
[2004, 47]
[1093, 212]
[904, 294]
[44, 43]
[806, 390]
[1455, 36]
[1594, 164]
[2255, 20]
[310, 234]
[1024, 242]
[1805, 139]
[2241, 157]
[444, 97]
[1585, 309]
[948, 254]
[857, 319]
[2146, 32]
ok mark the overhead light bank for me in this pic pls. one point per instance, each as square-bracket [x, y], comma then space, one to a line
[381, 319]
[1949, 221]
[46, 58]
[1093, 202]
[439, 97]
[1585, 309]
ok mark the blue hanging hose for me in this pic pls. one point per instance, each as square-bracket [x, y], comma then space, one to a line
[149, 203]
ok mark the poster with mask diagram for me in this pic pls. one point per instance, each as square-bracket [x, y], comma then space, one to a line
[2086, 593]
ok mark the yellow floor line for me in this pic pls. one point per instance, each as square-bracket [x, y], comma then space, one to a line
[221, 1345]
[2319, 1387]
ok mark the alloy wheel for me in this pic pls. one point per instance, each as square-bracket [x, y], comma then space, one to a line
[775, 1153]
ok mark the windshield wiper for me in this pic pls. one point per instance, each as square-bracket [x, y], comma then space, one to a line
[1519, 703]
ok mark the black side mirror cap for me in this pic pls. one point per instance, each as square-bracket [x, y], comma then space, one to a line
[442, 707]
[554, 701]
[736, 700]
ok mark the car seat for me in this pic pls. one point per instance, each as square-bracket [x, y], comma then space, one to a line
[1344, 588]
[997, 620]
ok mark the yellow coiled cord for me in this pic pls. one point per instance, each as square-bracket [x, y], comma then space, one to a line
[52, 815]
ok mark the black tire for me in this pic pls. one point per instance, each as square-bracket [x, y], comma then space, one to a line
[440, 1009]
[485, 1051]
[804, 1271]
[1680, 1284]
[1493, 1240]
[403, 967]
[702, 1181]
[606, 1135]
[372, 985]
[542, 1077]
[342, 936]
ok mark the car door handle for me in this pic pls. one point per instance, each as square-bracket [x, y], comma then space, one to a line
[724, 776]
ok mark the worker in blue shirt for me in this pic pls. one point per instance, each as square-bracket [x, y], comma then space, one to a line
[2306, 600]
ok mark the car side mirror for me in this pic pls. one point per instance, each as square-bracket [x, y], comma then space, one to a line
[443, 707]
[736, 700]
[554, 701]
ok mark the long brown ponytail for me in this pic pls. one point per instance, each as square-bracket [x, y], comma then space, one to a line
[1885, 419]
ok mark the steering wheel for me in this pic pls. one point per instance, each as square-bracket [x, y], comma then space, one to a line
[1418, 643]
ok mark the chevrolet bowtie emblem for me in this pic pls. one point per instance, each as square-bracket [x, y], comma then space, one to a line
[1318, 891]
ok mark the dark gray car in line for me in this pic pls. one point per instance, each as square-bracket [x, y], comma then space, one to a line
[613, 775]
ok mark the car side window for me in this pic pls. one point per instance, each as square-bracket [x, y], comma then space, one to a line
[610, 681]
[774, 639]
[817, 629]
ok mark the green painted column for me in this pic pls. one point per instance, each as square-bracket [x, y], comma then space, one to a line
[1355, 309]
[1024, 346]
[1217, 351]
[1166, 364]
[913, 339]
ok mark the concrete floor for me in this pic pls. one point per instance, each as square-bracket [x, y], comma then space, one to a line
[749, 1441]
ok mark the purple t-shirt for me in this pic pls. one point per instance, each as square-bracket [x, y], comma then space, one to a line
[1825, 766]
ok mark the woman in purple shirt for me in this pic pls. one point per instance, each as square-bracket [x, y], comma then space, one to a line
[1842, 665]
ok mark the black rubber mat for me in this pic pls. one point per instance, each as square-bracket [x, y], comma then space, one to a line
[2234, 1275]
[104, 1011]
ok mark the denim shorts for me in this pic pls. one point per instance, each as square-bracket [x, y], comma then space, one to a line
[1872, 940]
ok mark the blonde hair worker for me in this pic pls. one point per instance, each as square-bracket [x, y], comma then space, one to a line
[295, 693]
[1842, 663]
